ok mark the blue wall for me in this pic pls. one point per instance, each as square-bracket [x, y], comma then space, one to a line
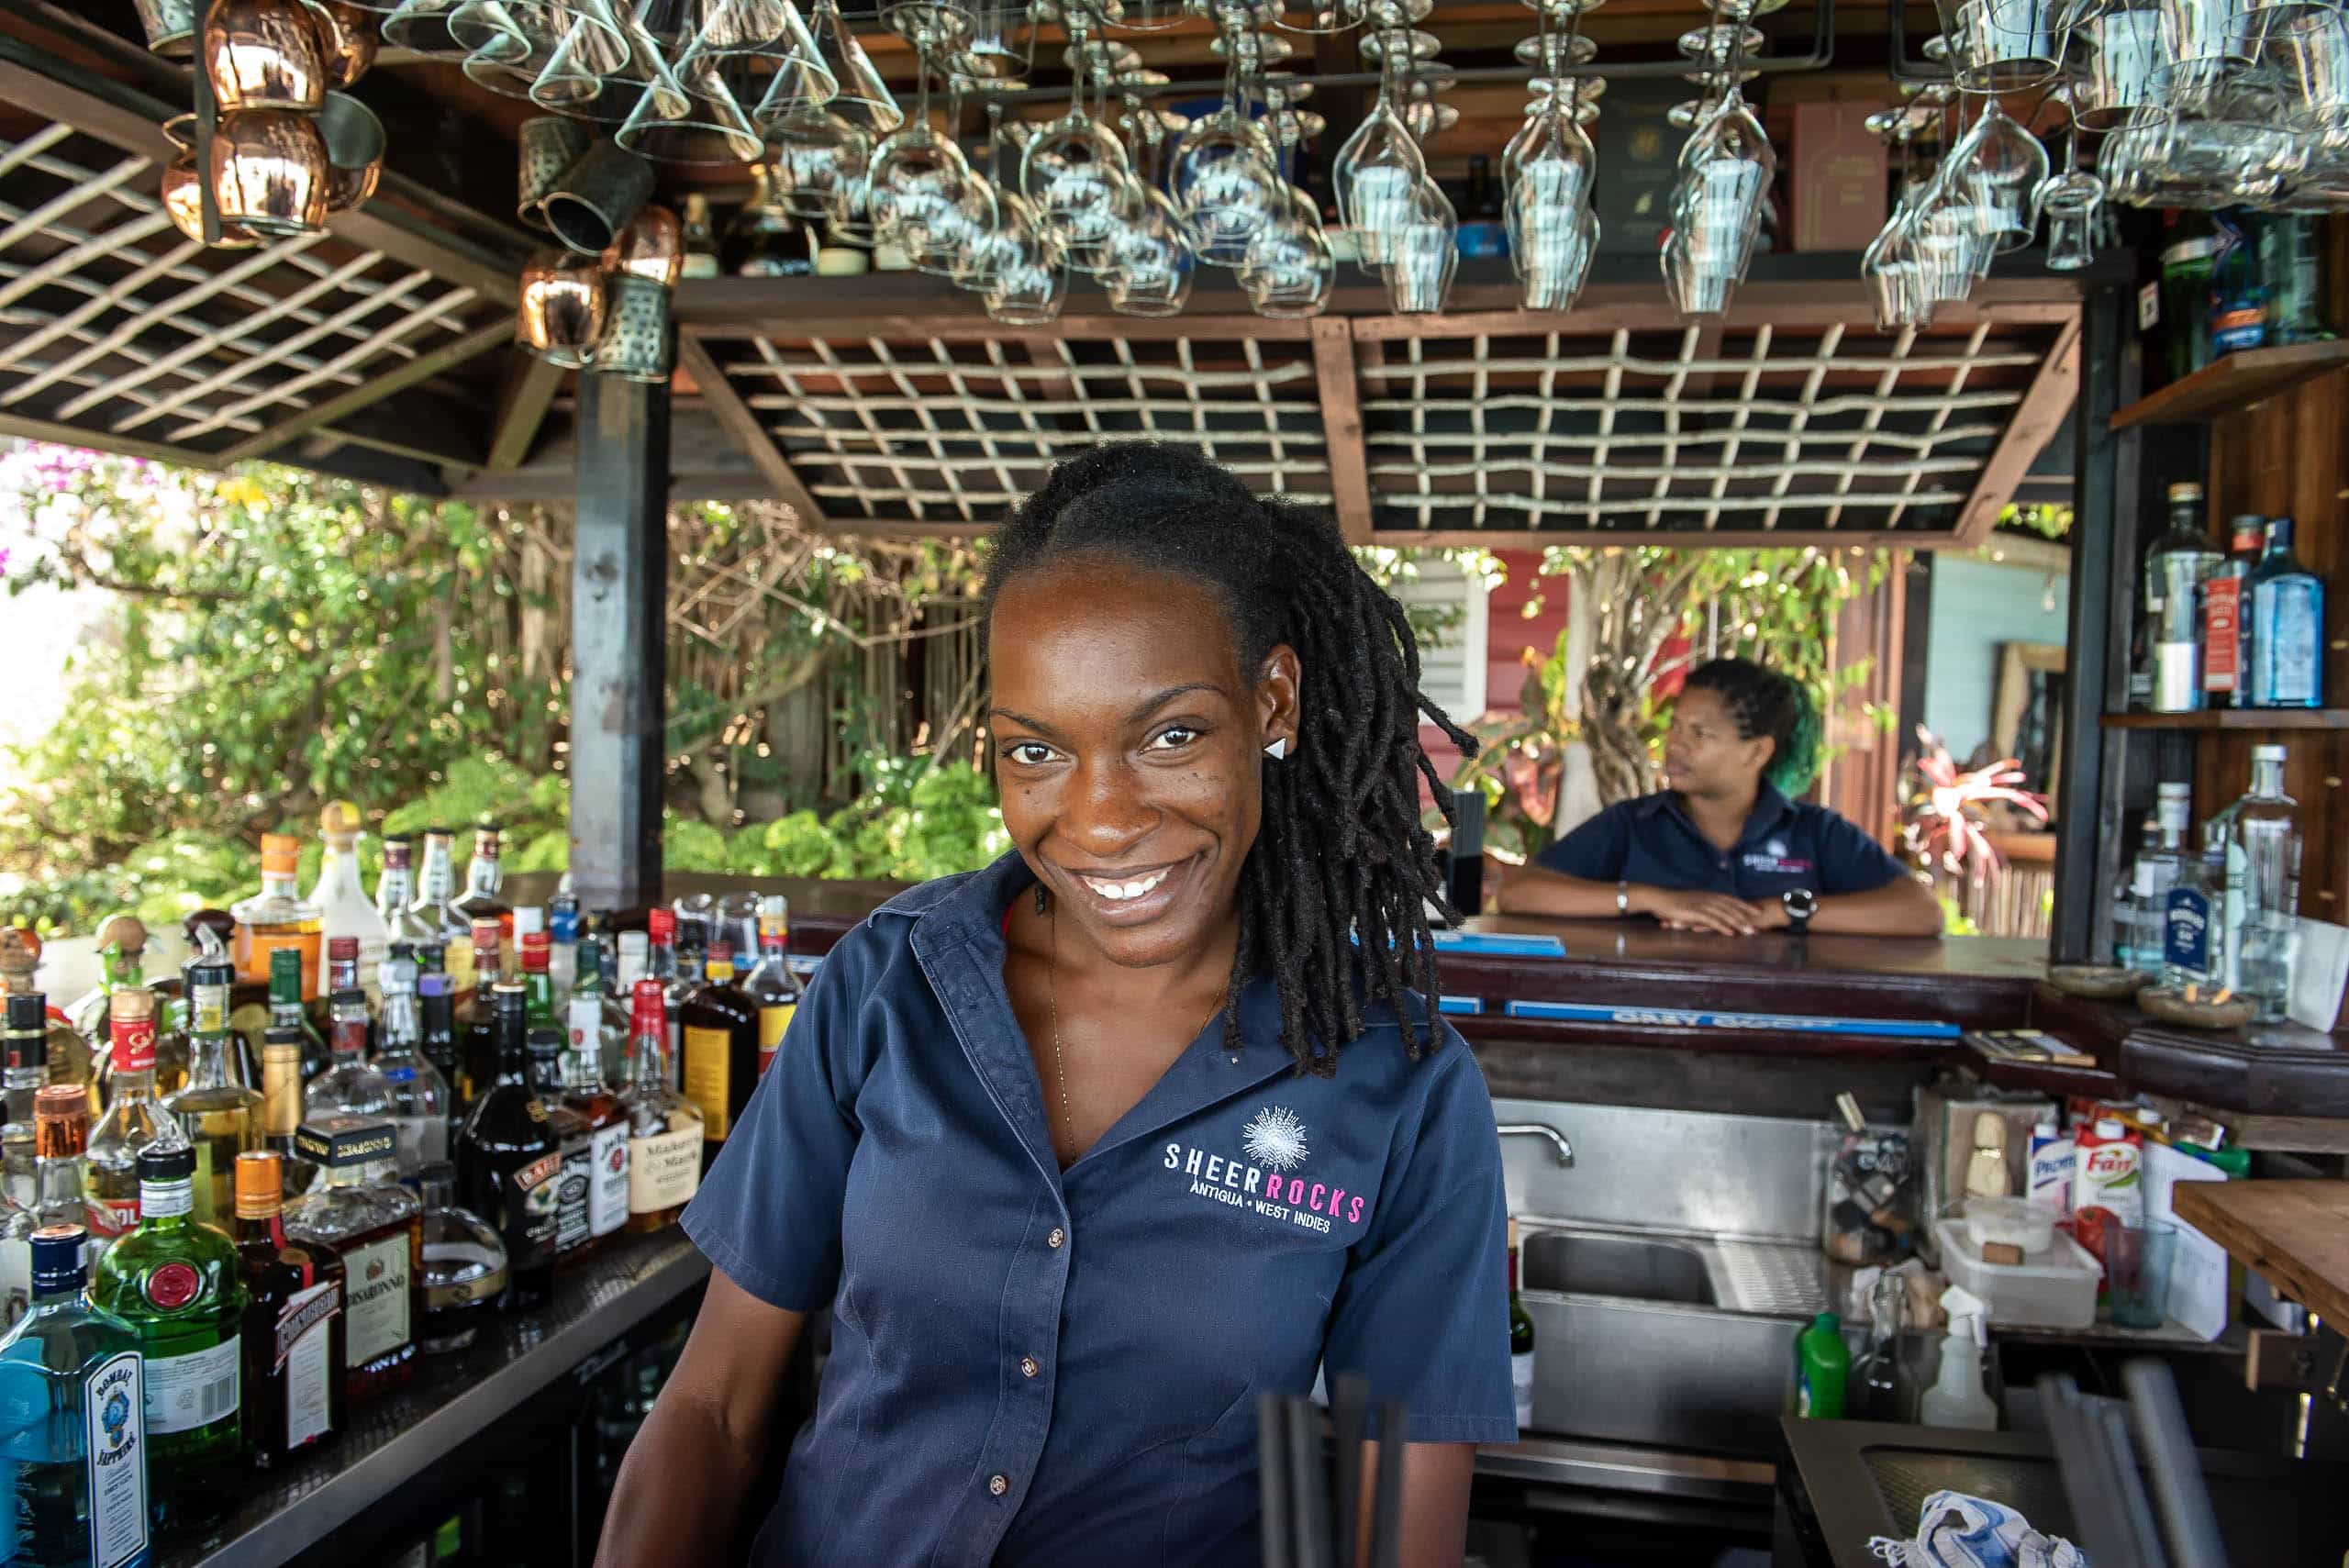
[1976, 606]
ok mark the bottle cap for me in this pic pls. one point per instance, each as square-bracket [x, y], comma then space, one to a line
[339, 820]
[649, 1009]
[487, 934]
[161, 1162]
[215, 971]
[27, 1034]
[131, 1023]
[485, 840]
[774, 904]
[2174, 790]
[56, 1257]
[399, 976]
[435, 1184]
[530, 919]
[634, 944]
[281, 854]
[432, 958]
[2267, 753]
[343, 1141]
[343, 1001]
[545, 1040]
[27, 1011]
[2107, 1126]
[261, 1184]
[2185, 490]
[284, 974]
[507, 1001]
[661, 924]
[61, 1122]
[342, 950]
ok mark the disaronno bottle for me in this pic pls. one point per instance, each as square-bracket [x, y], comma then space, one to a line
[377, 1226]
[664, 1130]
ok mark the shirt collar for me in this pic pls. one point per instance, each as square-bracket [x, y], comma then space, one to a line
[1770, 807]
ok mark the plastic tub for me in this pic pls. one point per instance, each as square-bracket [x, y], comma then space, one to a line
[2055, 1291]
[2018, 1221]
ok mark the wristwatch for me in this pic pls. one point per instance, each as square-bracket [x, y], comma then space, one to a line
[1801, 905]
[1623, 897]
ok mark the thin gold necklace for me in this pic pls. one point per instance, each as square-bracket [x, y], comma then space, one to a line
[1053, 1003]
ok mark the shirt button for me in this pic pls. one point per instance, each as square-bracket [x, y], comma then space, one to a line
[998, 1485]
[1057, 1237]
[1028, 1367]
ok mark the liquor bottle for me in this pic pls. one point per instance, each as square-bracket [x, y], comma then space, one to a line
[134, 1119]
[68, 1054]
[765, 239]
[349, 1088]
[208, 982]
[1520, 1341]
[286, 1012]
[479, 1018]
[284, 1104]
[661, 964]
[2176, 566]
[538, 985]
[179, 1286]
[589, 987]
[437, 1017]
[420, 1099]
[60, 1147]
[278, 916]
[464, 1269]
[23, 1068]
[344, 909]
[509, 1161]
[2224, 643]
[2264, 884]
[774, 990]
[376, 1227]
[2193, 944]
[2287, 625]
[700, 244]
[17, 1223]
[480, 901]
[2159, 866]
[633, 964]
[294, 1323]
[219, 1112]
[722, 1039]
[122, 963]
[396, 895]
[572, 1136]
[436, 883]
[665, 1139]
[588, 1093]
[72, 1424]
[562, 938]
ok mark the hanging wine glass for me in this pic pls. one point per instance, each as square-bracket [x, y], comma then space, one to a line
[1379, 171]
[817, 159]
[1426, 253]
[1227, 182]
[1072, 168]
[917, 176]
[1290, 270]
[1030, 283]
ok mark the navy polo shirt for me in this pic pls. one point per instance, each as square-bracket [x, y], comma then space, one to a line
[1786, 845]
[1037, 1366]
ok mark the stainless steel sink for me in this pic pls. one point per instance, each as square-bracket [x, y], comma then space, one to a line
[1642, 1268]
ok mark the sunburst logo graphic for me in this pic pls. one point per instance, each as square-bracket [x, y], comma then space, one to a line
[1275, 1137]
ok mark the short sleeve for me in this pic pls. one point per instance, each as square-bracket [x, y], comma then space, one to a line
[1849, 861]
[1596, 851]
[1423, 1309]
[768, 1214]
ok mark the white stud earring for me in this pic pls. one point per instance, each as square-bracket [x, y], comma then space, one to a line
[1277, 750]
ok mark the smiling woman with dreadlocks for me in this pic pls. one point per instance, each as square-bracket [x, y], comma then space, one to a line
[1089, 1149]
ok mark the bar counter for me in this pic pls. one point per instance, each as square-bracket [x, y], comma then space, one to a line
[400, 1437]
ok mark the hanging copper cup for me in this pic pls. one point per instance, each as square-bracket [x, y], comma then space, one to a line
[652, 247]
[636, 343]
[562, 307]
[264, 54]
[183, 198]
[355, 146]
[550, 144]
[597, 197]
[347, 37]
[270, 172]
[170, 26]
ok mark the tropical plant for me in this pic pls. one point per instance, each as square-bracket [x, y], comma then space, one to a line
[1951, 810]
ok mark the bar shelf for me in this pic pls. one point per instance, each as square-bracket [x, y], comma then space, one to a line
[2231, 383]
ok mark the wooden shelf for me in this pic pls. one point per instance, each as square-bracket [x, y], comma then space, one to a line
[2294, 1233]
[2232, 382]
[2234, 718]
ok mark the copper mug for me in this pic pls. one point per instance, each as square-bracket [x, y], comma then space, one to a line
[562, 307]
[355, 146]
[182, 198]
[270, 171]
[347, 38]
[652, 247]
[170, 26]
[264, 54]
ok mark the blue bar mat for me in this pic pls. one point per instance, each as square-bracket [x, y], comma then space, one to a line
[1674, 1018]
[1496, 944]
[1469, 1005]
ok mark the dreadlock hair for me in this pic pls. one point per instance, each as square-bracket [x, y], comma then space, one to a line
[1763, 702]
[1335, 894]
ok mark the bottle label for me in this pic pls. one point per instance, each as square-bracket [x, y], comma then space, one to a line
[772, 1022]
[172, 1286]
[281, 1089]
[194, 1390]
[571, 1224]
[706, 1074]
[134, 1045]
[2186, 932]
[483, 1278]
[114, 1398]
[109, 1216]
[664, 1168]
[1520, 1378]
[378, 1276]
[304, 1359]
[252, 946]
[532, 1195]
[2221, 623]
[161, 1200]
[607, 1180]
[2287, 616]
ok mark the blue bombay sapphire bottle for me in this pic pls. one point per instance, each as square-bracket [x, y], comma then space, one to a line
[73, 1423]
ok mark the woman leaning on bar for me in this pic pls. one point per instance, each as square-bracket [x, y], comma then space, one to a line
[1723, 848]
[1088, 1149]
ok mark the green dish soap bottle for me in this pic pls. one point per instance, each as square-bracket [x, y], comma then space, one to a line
[1822, 1366]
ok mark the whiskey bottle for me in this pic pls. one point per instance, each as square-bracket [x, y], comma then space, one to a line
[774, 990]
[277, 917]
[179, 1286]
[587, 1094]
[665, 1134]
[571, 1137]
[293, 1322]
[376, 1227]
[72, 1397]
[134, 1119]
[508, 1162]
[721, 1039]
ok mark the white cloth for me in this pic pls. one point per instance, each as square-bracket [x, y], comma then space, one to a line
[1958, 1532]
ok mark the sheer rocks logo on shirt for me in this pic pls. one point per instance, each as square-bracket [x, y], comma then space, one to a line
[1774, 859]
[1270, 1180]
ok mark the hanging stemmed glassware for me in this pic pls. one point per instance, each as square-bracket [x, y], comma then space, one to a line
[1726, 169]
[1149, 258]
[1226, 178]
[709, 102]
[2071, 200]
[818, 163]
[1999, 166]
[1074, 169]
[1380, 167]
[1890, 265]
[1549, 172]
[919, 173]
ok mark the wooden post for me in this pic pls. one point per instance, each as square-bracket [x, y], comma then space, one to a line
[619, 593]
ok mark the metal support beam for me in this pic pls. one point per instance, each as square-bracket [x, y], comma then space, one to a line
[619, 598]
[2088, 815]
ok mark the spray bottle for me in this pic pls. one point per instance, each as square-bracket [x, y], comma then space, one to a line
[1957, 1398]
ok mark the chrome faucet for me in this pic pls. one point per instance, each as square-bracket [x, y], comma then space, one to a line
[1540, 1129]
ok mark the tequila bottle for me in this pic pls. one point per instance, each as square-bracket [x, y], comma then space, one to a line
[180, 1287]
[509, 1161]
[419, 1094]
[344, 908]
[774, 990]
[376, 1227]
[220, 1114]
[396, 895]
[436, 884]
[480, 901]
[293, 1322]
[277, 919]
[72, 1424]
[23, 1068]
[134, 1119]
[663, 1129]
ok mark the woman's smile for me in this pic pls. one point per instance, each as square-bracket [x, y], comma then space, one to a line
[1128, 897]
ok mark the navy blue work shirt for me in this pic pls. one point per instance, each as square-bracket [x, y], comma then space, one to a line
[1786, 845]
[1032, 1366]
